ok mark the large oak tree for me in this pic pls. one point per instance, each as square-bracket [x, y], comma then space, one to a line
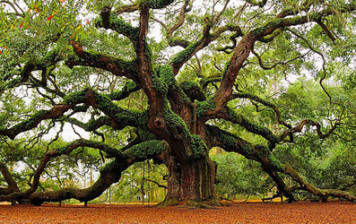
[195, 63]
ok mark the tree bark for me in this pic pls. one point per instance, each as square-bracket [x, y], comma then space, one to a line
[190, 182]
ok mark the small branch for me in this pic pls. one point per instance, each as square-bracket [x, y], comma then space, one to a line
[278, 63]
[264, 102]
[326, 30]
[155, 182]
[301, 125]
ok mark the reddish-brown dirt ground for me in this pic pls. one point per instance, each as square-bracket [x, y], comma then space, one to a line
[302, 212]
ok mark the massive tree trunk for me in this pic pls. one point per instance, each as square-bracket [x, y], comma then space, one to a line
[190, 182]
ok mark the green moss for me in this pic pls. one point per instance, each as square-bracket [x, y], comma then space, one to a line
[63, 149]
[193, 90]
[148, 52]
[172, 119]
[75, 98]
[205, 106]
[146, 149]
[230, 142]
[185, 98]
[31, 122]
[187, 85]
[253, 128]
[129, 87]
[145, 135]
[167, 76]
[124, 28]
[104, 103]
[185, 54]
[198, 147]
[226, 67]
[156, 4]
[275, 162]
[262, 151]
[113, 166]
[160, 86]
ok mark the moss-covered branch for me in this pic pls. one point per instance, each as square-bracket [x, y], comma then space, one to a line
[246, 44]
[277, 23]
[110, 20]
[153, 4]
[116, 66]
[259, 153]
[193, 91]
[64, 150]
[260, 4]
[92, 124]
[18, 76]
[270, 164]
[322, 193]
[56, 112]
[129, 87]
[253, 128]
[109, 174]
[183, 56]
[119, 116]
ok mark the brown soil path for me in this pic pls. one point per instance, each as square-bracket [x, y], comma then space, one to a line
[302, 212]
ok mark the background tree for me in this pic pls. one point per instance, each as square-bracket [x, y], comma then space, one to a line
[59, 66]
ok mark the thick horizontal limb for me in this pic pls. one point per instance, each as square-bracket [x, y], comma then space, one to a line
[116, 66]
[129, 87]
[119, 116]
[109, 174]
[261, 154]
[56, 112]
[322, 193]
[264, 132]
[153, 4]
[270, 164]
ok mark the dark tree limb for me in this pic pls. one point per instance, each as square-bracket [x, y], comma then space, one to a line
[260, 4]
[246, 44]
[260, 62]
[109, 174]
[116, 66]
[119, 116]
[182, 57]
[12, 185]
[270, 164]
[129, 87]
[264, 102]
[326, 30]
[302, 124]
[152, 4]
[56, 112]
[322, 193]
[264, 132]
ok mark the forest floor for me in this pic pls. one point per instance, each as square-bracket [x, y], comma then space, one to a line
[301, 212]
